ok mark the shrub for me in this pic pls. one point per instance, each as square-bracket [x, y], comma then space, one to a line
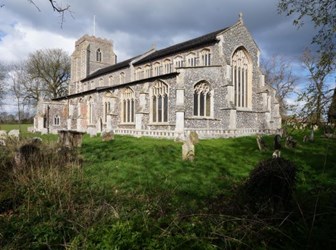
[270, 185]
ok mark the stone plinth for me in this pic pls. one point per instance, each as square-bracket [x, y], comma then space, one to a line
[70, 138]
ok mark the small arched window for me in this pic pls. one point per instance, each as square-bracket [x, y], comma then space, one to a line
[202, 100]
[98, 55]
[56, 120]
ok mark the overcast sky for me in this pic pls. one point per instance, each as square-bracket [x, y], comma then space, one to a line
[135, 25]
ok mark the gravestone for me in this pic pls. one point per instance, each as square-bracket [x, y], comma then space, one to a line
[70, 138]
[305, 138]
[188, 151]
[290, 142]
[261, 143]
[277, 142]
[276, 154]
[2, 143]
[14, 133]
[3, 134]
[36, 140]
[193, 136]
[107, 136]
[311, 137]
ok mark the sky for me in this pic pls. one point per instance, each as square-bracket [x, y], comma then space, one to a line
[135, 26]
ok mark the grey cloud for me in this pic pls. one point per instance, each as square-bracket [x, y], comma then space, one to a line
[135, 25]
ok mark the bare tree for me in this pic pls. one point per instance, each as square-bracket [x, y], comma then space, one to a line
[2, 82]
[278, 73]
[322, 13]
[62, 9]
[49, 71]
[316, 96]
[17, 79]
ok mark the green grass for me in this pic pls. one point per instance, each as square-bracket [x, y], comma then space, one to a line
[138, 193]
[22, 127]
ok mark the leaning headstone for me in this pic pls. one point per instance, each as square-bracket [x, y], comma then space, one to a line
[31, 129]
[27, 154]
[14, 133]
[2, 143]
[193, 136]
[290, 142]
[3, 134]
[261, 143]
[188, 151]
[277, 142]
[107, 136]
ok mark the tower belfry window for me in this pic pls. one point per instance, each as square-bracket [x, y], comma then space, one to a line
[98, 55]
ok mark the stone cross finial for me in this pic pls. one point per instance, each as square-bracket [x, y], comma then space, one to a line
[241, 17]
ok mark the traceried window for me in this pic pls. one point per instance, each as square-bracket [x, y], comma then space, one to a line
[98, 55]
[56, 120]
[167, 66]
[127, 109]
[159, 101]
[240, 77]
[178, 62]
[191, 60]
[202, 100]
[206, 57]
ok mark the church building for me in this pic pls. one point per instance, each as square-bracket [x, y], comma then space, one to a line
[211, 84]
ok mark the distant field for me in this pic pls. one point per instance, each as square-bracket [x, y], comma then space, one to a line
[22, 127]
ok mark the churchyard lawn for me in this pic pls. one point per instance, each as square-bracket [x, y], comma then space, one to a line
[138, 193]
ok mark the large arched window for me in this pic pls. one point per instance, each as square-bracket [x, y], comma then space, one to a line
[159, 102]
[241, 75]
[127, 108]
[202, 100]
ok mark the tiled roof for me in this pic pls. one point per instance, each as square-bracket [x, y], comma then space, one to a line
[108, 69]
[193, 43]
